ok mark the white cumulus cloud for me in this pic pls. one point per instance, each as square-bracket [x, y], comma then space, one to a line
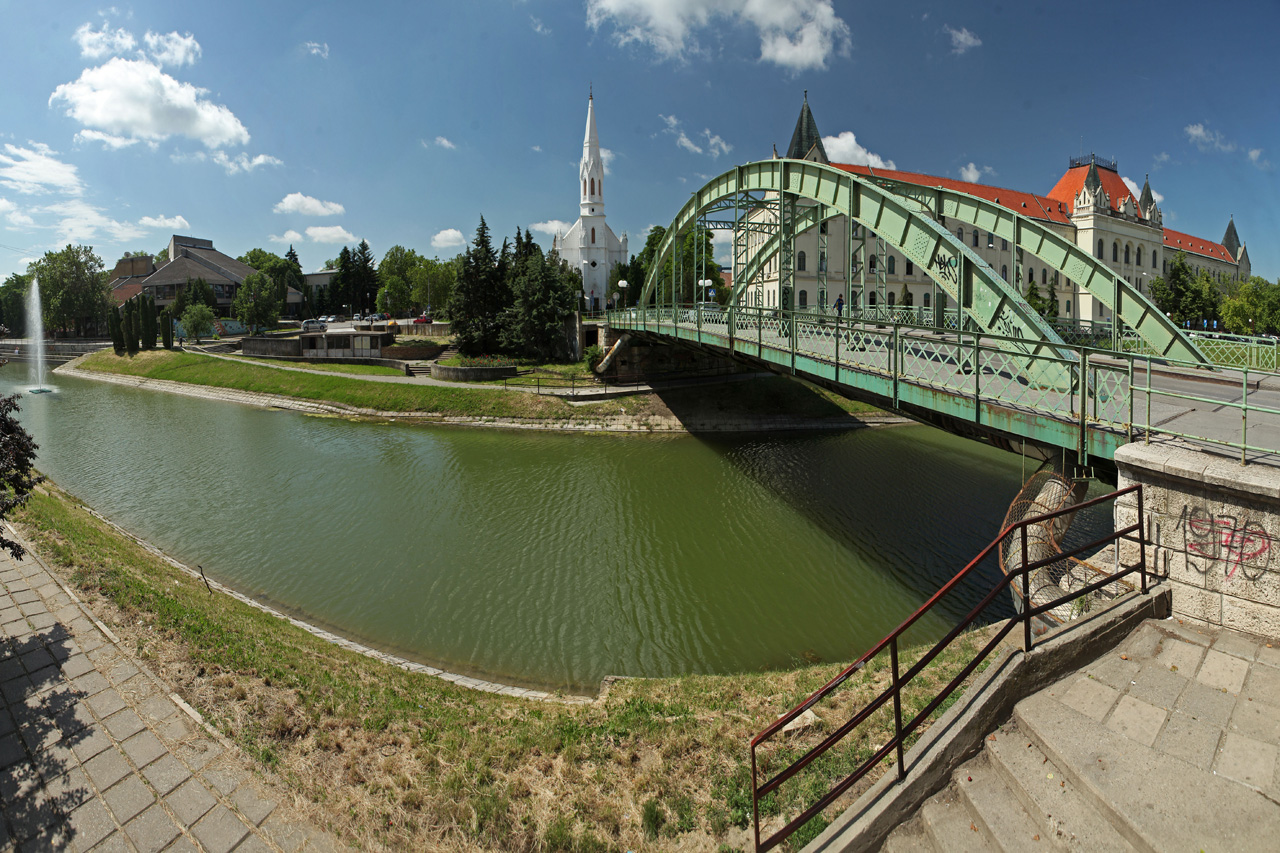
[168, 222]
[95, 44]
[797, 35]
[316, 48]
[80, 222]
[712, 144]
[962, 40]
[538, 148]
[551, 227]
[449, 238]
[243, 162]
[289, 236]
[844, 148]
[1207, 140]
[329, 234]
[37, 170]
[606, 159]
[133, 98]
[444, 143]
[1255, 157]
[539, 27]
[108, 140]
[172, 49]
[308, 206]
[973, 172]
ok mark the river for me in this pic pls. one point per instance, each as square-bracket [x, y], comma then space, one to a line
[539, 558]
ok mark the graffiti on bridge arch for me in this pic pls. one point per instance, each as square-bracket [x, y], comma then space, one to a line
[1239, 542]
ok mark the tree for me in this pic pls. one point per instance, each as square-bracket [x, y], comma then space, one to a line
[398, 261]
[73, 289]
[117, 330]
[197, 320]
[340, 286]
[364, 278]
[131, 327]
[431, 284]
[283, 272]
[477, 304]
[146, 323]
[17, 474]
[166, 328]
[1253, 309]
[13, 303]
[197, 291]
[394, 296]
[541, 300]
[256, 302]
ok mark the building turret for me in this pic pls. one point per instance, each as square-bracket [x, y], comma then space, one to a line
[806, 142]
[1092, 197]
[1147, 203]
[1231, 240]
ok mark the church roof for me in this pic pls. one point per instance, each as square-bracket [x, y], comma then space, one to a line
[1026, 204]
[1073, 180]
[806, 136]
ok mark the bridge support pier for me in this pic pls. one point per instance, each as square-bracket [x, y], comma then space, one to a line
[1213, 528]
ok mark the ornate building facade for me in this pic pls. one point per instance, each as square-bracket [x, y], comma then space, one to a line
[1090, 205]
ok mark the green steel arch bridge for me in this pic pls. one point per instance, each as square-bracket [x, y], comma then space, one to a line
[990, 368]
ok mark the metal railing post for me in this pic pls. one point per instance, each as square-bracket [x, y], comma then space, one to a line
[977, 380]
[1244, 416]
[1083, 442]
[1026, 595]
[1147, 426]
[837, 348]
[1142, 544]
[895, 338]
[897, 707]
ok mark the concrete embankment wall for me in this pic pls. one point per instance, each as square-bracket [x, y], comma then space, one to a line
[1213, 526]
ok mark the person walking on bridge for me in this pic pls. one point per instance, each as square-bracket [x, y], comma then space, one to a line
[839, 305]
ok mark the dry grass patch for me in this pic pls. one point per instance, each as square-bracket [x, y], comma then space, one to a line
[391, 759]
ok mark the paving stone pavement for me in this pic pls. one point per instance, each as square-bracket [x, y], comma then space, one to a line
[96, 753]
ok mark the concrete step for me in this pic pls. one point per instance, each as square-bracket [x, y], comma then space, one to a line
[1051, 799]
[1156, 801]
[997, 809]
[951, 827]
[909, 837]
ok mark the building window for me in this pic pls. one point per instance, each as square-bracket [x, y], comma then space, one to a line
[593, 186]
[872, 264]
[800, 263]
[891, 264]
[822, 262]
[593, 236]
[584, 186]
[892, 298]
[1031, 276]
[991, 240]
[926, 299]
[1126, 255]
[1004, 245]
[960, 234]
[1068, 307]
[1153, 259]
[975, 238]
[1099, 250]
[1115, 253]
[804, 299]
[1044, 276]
[911, 269]
[1004, 271]
[871, 299]
[1138, 262]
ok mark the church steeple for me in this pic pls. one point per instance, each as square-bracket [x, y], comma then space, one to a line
[1231, 240]
[806, 142]
[591, 171]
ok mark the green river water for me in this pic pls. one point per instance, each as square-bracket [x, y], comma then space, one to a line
[540, 558]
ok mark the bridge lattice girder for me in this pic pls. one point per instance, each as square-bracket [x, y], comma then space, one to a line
[987, 299]
[1060, 254]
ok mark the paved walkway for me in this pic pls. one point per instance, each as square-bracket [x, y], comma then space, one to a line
[97, 753]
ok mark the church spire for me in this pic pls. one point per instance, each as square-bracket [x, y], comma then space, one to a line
[806, 142]
[1231, 240]
[591, 171]
[1147, 199]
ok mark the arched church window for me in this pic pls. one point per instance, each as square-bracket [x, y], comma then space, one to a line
[893, 298]
[800, 262]
[1138, 261]
[584, 186]
[1126, 254]
[1099, 250]
[1044, 276]
[910, 268]
[1115, 253]
[1004, 271]
[1031, 276]
[975, 238]
[960, 234]
[891, 265]
[926, 299]
[991, 240]
[593, 186]
[804, 299]
[593, 236]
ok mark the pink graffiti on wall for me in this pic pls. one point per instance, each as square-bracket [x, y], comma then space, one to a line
[1243, 544]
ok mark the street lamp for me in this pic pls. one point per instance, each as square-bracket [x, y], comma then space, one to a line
[622, 293]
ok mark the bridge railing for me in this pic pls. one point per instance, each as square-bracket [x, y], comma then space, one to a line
[831, 737]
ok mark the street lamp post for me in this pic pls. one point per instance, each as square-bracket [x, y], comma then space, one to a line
[622, 293]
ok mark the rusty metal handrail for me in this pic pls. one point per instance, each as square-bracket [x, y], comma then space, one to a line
[901, 731]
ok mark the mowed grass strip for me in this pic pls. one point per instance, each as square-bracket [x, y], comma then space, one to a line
[389, 758]
[199, 369]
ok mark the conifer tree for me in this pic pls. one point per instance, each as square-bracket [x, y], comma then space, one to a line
[117, 330]
[131, 327]
[476, 304]
[166, 329]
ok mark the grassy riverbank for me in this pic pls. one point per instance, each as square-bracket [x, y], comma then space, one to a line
[387, 757]
[760, 397]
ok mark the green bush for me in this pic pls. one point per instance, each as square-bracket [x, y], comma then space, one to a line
[593, 356]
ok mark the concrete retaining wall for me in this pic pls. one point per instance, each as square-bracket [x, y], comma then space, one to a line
[1214, 525]
[414, 352]
[470, 374]
[427, 330]
[279, 347]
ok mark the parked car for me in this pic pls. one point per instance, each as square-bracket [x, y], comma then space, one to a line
[422, 319]
[314, 326]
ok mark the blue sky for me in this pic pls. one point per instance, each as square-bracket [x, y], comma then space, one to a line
[319, 123]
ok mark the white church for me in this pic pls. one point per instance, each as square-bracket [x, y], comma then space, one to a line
[591, 246]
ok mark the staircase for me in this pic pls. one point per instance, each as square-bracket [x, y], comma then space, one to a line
[418, 369]
[1137, 751]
